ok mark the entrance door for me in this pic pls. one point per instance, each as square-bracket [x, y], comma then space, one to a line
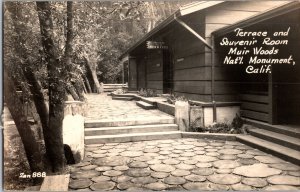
[132, 74]
[167, 72]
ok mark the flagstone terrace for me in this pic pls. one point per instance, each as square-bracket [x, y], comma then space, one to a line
[174, 164]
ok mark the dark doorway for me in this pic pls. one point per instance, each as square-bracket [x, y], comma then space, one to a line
[167, 72]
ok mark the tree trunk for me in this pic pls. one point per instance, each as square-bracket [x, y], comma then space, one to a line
[84, 88]
[97, 87]
[87, 84]
[97, 84]
[89, 76]
[53, 136]
[31, 146]
[35, 87]
[78, 85]
[71, 89]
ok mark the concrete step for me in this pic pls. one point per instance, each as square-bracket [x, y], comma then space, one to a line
[122, 98]
[285, 153]
[290, 130]
[132, 137]
[128, 122]
[124, 95]
[145, 105]
[131, 129]
[148, 100]
[284, 140]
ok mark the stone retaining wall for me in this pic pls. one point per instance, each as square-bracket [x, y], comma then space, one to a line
[73, 128]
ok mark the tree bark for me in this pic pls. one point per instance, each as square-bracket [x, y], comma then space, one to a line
[87, 84]
[35, 87]
[31, 146]
[71, 89]
[97, 87]
[97, 84]
[53, 136]
[89, 75]
[76, 85]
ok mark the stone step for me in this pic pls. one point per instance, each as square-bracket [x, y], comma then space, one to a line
[122, 98]
[132, 137]
[283, 129]
[124, 95]
[148, 100]
[284, 140]
[131, 129]
[145, 105]
[128, 122]
[272, 148]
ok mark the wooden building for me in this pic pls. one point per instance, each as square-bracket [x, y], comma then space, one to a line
[183, 56]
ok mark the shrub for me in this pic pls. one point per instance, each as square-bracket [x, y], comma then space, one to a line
[236, 127]
[147, 93]
[173, 98]
[119, 91]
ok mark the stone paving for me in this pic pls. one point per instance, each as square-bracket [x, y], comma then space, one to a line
[181, 164]
[101, 106]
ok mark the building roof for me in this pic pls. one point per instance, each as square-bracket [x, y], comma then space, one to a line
[275, 11]
[184, 10]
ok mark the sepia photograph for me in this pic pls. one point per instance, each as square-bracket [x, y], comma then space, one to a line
[150, 95]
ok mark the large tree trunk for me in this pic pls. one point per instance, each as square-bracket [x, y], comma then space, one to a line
[69, 51]
[31, 146]
[53, 136]
[35, 87]
[38, 97]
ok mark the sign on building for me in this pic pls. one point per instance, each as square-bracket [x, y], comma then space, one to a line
[156, 45]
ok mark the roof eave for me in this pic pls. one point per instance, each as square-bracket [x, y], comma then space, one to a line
[280, 10]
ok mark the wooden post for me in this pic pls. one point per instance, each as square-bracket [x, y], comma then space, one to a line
[272, 101]
[182, 112]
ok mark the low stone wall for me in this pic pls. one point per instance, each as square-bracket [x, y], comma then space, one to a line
[73, 128]
[189, 116]
[166, 107]
[225, 114]
[113, 87]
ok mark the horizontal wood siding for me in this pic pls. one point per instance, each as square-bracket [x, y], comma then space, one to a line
[154, 76]
[254, 98]
[259, 107]
[191, 61]
[190, 71]
[141, 64]
[255, 115]
[207, 97]
[220, 16]
[132, 74]
[155, 85]
[255, 107]
[155, 70]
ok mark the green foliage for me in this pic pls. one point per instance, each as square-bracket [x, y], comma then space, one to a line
[147, 93]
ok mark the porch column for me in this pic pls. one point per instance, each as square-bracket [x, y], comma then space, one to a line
[272, 94]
